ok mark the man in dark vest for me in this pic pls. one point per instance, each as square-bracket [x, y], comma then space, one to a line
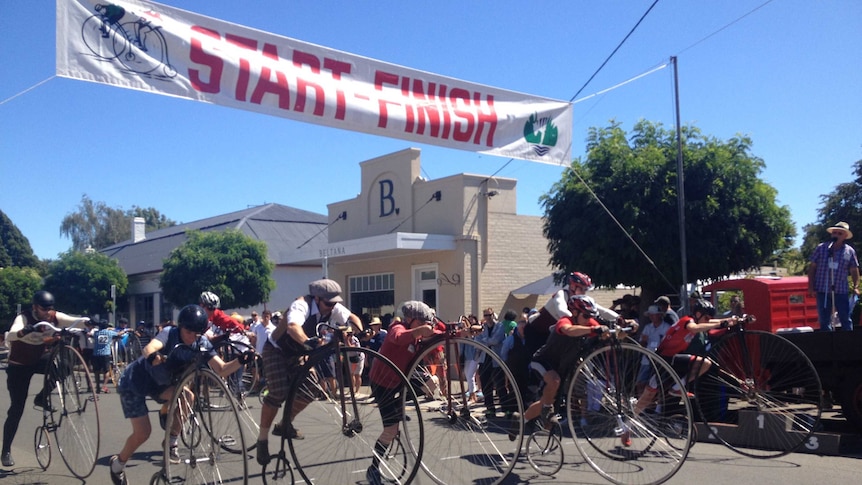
[295, 336]
[27, 356]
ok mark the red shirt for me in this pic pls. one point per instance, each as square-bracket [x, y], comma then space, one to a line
[676, 339]
[221, 320]
[400, 347]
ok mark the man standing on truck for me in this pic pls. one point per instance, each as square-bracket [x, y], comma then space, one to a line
[827, 277]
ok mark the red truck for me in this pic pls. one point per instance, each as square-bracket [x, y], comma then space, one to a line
[782, 305]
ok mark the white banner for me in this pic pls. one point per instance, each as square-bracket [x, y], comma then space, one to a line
[152, 47]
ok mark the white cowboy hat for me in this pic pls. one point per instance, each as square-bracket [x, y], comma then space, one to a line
[841, 226]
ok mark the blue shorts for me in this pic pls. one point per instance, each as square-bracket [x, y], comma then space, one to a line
[132, 398]
[134, 404]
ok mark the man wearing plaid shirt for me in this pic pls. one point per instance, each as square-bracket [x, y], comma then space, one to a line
[827, 277]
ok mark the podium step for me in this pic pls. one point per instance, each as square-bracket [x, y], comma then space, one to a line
[758, 429]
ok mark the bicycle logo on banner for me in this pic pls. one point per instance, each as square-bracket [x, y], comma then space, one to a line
[138, 44]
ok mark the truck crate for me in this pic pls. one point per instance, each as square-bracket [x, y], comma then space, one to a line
[778, 303]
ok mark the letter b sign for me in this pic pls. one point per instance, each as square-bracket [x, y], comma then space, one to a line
[387, 202]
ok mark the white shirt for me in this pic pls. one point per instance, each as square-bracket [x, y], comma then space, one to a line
[261, 333]
[558, 307]
[653, 336]
[299, 312]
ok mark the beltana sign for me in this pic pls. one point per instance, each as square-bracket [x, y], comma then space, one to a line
[152, 47]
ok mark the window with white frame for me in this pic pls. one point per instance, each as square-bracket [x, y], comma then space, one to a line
[372, 295]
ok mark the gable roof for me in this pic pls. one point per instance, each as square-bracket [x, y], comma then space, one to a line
[282, 228]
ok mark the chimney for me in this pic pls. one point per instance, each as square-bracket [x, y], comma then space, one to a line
[138, 229]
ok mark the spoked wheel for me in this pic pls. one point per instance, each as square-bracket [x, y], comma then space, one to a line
[395, 461]
[464, 439]
[239, 384]
[626, 438]
[278, 470]
[761, 396]
[118, 361]
[42, 447]
[74, 397]
[545, 450]
[332, 438]
[210, 440]
[159, 478]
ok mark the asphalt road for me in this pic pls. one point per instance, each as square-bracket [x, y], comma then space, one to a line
[707, 464]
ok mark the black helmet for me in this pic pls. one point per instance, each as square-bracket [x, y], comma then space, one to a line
[43, 299]
[704, 307]
[193, 318]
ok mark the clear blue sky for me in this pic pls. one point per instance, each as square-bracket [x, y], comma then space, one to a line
[788, 75]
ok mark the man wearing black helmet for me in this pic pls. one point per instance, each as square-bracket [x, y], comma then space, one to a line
[152, 375]
[27, 356]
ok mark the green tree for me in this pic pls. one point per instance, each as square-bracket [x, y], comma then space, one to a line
[228, 263]
[81, 282]
[96, 225]
[842, 204]
[17, 286]
[732, 221]
[15, 249]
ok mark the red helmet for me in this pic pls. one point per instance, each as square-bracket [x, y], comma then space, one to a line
[580, 279]
[583, 304]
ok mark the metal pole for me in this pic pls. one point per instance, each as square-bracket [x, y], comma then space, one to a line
[830, 262]
[114, 305]
[680, 189]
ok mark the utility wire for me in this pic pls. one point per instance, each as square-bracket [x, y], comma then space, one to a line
[343, 215]
[434, 196]
[632, 31]
[726, 26]
[10, 98]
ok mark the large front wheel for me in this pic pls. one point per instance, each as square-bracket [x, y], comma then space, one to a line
[77, 430]
[204, 422]
[761, 395]
[465, 438]
[335, 428]
[629, 431]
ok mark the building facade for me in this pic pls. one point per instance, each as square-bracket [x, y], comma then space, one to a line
[280, 227]
[455, 243]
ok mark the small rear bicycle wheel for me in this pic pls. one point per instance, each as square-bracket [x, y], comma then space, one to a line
[761, 396]
[545, 450]
[337, 428]
[159, 478]
[395, 461]
[77, 430]
[462, 439]
[210, 440]
[624, 440]
[278, 471]
[42, 447]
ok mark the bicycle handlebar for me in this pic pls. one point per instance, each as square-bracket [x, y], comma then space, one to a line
[72, 329]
